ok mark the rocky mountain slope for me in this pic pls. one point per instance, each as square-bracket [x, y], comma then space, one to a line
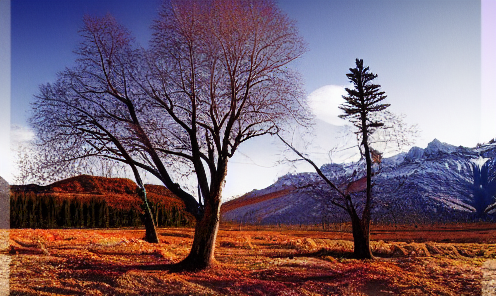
[441, 183]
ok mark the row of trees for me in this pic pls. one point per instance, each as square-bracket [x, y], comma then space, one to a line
[30, 210]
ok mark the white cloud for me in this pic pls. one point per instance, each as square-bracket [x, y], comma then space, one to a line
[325, 101]
[20, 135]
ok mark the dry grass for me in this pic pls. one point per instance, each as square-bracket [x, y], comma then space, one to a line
[119, 262]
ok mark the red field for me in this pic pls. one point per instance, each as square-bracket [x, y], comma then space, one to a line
[410, 261]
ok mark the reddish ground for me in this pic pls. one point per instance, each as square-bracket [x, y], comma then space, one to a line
[411, 261]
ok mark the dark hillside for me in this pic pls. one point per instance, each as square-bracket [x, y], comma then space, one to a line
[90, 201]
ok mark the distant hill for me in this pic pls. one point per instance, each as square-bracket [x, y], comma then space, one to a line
[76, 196]
[4, 205]
[441, 183]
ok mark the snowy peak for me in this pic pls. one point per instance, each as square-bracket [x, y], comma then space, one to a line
[436, 148]
[479, 162]
[414, 154]
[439, 183]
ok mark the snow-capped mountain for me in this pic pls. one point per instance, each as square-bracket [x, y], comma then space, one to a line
[440, 183]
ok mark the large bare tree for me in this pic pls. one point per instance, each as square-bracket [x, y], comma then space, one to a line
[214, 76]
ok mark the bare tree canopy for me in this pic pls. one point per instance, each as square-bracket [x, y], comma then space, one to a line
[215, 75]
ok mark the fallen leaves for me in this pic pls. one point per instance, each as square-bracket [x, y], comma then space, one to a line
[119, 262]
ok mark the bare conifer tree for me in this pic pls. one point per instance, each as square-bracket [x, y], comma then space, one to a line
[362, 101]
[363, 108]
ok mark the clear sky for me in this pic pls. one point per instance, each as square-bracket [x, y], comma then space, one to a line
[427, 55]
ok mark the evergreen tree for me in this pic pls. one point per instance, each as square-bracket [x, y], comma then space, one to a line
[23, 211]
[106, 215]
[81, 213]
[44, 213]
[362, 102]
[30, 206]
[52, 211]
[14, 210]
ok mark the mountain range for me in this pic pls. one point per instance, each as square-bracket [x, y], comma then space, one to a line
[439, 183]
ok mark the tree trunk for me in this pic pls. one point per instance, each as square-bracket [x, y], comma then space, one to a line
[202, 251]
[361, 237]
[201, 255]
[361, 227]
[151, 232]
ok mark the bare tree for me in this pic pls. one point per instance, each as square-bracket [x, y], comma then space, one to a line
[341, 195]
[215, 76]
[364, 109]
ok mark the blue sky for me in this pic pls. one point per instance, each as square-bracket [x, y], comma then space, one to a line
[427, 55]
[4, 88]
